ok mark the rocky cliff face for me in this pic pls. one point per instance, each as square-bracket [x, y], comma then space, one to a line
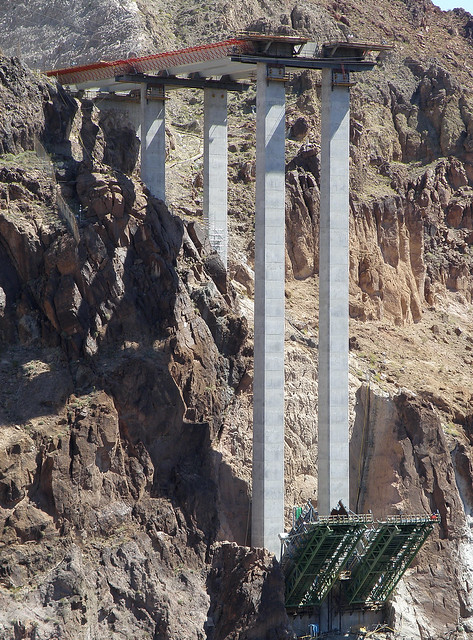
[126, 348]
[120, 354]
[401, 458]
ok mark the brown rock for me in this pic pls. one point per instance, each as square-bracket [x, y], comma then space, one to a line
[302, 202]
[300, 129]
[199, 237]
[216, 270]
[17, 460]
[247, 172]
[412, 439]
[455, 215]
[243, 606]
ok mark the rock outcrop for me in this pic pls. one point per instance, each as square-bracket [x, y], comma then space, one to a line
[122, 352]
[125, 369]
[401, 461]
[244, 583]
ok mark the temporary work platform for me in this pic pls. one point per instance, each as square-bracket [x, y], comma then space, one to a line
[366, 558]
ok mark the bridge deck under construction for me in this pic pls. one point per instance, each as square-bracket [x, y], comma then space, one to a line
[365, 557]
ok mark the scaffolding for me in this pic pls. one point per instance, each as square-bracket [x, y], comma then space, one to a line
[368, 558]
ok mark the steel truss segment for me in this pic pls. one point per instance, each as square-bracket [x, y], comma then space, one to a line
[367, 566]
[314, 568]
[304, 559]
[333, 567]
[401, 564]
[320, 548]
[387, 558]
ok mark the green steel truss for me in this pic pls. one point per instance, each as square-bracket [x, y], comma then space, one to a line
[317, 554]
[389, 551]
[376, 555]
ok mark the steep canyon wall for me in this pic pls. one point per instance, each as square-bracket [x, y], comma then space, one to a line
[126, 358]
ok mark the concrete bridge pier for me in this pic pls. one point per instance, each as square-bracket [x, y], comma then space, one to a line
[333, 484]
[215, 169]
[268, 386]
[129, 106]
[153, 140]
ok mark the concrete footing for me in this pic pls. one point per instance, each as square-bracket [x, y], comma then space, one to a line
[327, 619]
[333, 474]
[268, 387]
[215, 170]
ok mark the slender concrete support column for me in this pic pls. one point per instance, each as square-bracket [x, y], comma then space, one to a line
[153, 141]
[215, 169]
[268, 387]
[333, 476]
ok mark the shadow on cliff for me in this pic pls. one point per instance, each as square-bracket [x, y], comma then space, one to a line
[116, 307]
[138, 342]
[360, 446]
[234, 503]
[246, 589]
[120, 151]
[132, 358]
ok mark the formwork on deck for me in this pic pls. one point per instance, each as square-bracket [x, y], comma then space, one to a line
[371, 557]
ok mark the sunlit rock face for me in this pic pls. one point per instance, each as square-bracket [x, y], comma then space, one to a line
[126, 357]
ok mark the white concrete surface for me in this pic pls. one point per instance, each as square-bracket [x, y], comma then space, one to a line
[333, 452]
[153, 144]
[268, 387]
[215, 170]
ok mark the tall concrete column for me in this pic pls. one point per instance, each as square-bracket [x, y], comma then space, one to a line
[333, 482]
[153, 140]
[215, 169]
[268, 387]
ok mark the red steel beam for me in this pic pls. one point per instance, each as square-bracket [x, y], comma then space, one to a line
[156, 62]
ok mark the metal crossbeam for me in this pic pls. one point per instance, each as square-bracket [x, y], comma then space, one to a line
[401, 564]
[306, 63]
[188, 83]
